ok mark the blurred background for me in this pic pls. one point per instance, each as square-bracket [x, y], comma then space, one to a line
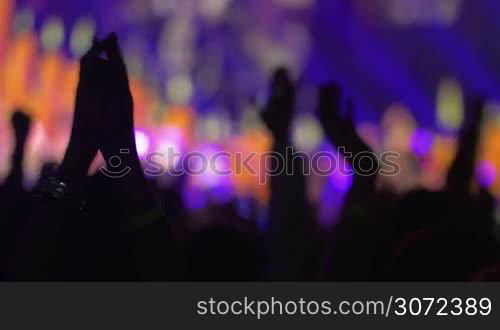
[200, 69]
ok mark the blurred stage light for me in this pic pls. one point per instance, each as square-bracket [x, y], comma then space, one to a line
[295, 4]
[24, 20]
[142, 143]
[307, 133]
[214, 127]
[52, 34]
[370, 133]
[6, 13]
[250, 120]
[404, 12]
[421, 142]
[450, 105]
[135, 65]
[492, 111]
[194, 198]
[213, 9]
[176, 43]
[168, 150]
[169, 142]
[341, 182]
[81, 37]
[414, 12]
[163, 7]
[209, 76]
[398, 125]
[213, 168]
[486, 174]
[179, 89]
[448, 11]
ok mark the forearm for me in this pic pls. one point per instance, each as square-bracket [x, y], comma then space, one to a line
[290, 228]
[15, 177]
[462, 169]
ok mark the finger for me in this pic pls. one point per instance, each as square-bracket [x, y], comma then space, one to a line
[329, 99]
[281, 76]
[94, 51]
[475, 109]
[88, 69]
[281, 84]
[349, 113]
[113, 50]
[116, 62]
[331, 91]
[103, 75]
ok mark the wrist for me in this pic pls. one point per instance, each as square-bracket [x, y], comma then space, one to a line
[76, 161]
[124, 148]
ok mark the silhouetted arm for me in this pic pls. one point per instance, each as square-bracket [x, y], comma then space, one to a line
[12, 193]
[341, 131]
[151, 240]
[21, 124]
[351, 253]
[461, 171]
[290, 225]
[47, 244]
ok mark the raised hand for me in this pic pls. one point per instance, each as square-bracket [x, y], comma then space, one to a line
[360, 204]
[290, 232]
[340, 128]
[21, 123]
[57, 197]
[118, 129]
[462, 170]
[83, 144]
[279, 110]
[146, 229]
[103, 119]
[117, 135]
[329, 110]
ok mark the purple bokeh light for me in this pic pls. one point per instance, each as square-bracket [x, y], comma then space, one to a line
[421, 142]
[486, 174]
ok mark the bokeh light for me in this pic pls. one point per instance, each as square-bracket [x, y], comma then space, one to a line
[213, 9]
[450, 105]
[295, 4]
[486, 174]
[421, 141]
[398, 125]
[81, 37]
[142, 142]
[24, 20]
[52, 34]
[179, 89]
[307, 133]
[414, 12]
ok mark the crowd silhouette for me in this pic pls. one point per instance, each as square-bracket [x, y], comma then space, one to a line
[76, 227]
